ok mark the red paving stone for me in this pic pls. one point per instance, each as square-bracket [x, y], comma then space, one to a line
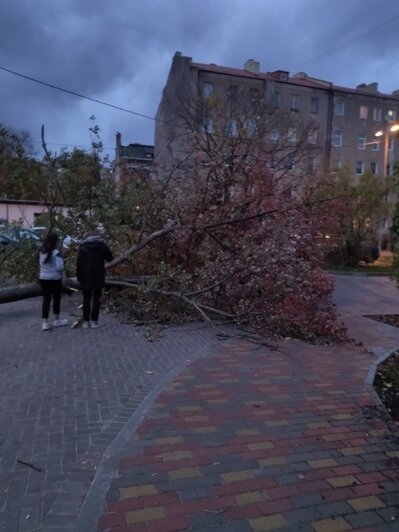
[257, 432]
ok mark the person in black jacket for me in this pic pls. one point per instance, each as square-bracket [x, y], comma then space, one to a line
[93, 253]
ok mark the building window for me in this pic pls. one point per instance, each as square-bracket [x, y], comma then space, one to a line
[359, 167]
[292, 134]
[208, 125]
[233, 92]
[311, 164]
[294, 102]
[377, 114]
[276, 99]
[337, 165]
[250, 126]
[373, 168]
[339, 107]
[361, 142]
[314, 104]
[363, 112]
[231, 128]
[274, 135]
[312, 136]
[391, 144]
[337, 138]
[254, 94]
[289, 162]
[376, 145]
[207, 90]
[390, 116]
[272, 161]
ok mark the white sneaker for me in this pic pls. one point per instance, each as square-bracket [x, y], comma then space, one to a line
[60, 323]
[46, 327]
[85, 325]
[95, 324]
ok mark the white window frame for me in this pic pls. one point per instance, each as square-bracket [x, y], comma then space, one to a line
[390, 116]
[313, 136]
[377, 114]
[376, 145]
[337, 165]
[274, 135]
[292, 134]
[363, 112]
[359, 168]
[208, 125]
[315, 104]
[361, 141]
[375, 169]
[391, 144]
[339, 107]
[231, 127]
[207, 89]
[294, 102]
[337, 135]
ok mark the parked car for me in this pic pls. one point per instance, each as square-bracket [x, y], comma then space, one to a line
[6, 242]
[67, 240]
[21, 234]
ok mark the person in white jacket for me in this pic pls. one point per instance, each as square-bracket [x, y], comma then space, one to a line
[51, 267]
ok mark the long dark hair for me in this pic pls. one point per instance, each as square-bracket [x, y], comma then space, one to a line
[49, 245]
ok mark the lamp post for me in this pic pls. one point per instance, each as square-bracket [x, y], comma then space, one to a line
[385, 133]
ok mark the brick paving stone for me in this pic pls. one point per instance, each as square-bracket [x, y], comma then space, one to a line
[64, 397]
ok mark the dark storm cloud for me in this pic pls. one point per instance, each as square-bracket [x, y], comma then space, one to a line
[121, 52]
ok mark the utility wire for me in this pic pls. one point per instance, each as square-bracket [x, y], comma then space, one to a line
[346, 43]
[77, 94]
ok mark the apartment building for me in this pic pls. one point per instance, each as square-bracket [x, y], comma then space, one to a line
[340, 123]
[132, 161]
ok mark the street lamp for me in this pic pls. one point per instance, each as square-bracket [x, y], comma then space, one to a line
[385, 133]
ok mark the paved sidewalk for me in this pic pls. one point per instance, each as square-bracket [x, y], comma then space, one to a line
[253, 439]
[65, 395]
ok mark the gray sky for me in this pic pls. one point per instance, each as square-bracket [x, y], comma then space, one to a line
[120, 52]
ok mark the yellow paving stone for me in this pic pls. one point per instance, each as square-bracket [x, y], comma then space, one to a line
[147, 514]
[258, 446]
[204, 430]
[325, 462]
[339, 482]
[348, 451]
[277, 423]
[270, 522]
[392, 454]
[185, 472]
[379, 432]
[339, 417]
[191, 419]
[314, 398]
[218, 401]
[169, 440]
[274, 460]
[333, 437]
[237, 476]
[177, 455]
[331, 525]
[362, 504]
[247, 432]
[138, 491]
[251, 497]
[189, 408]
[318, 425]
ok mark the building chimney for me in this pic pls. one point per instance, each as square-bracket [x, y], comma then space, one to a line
[371, 87]
[252, 66]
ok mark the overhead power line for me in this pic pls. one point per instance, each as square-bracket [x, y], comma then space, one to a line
[346, 43]
[76, 94]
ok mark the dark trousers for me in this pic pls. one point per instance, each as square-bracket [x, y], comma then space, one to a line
[51, 289]
[91, 309]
